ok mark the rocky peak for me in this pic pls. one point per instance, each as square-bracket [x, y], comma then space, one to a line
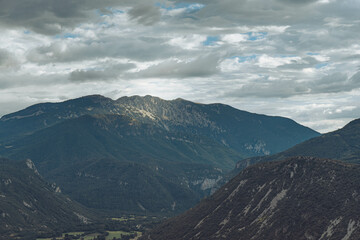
[136, 99]
[94, 97]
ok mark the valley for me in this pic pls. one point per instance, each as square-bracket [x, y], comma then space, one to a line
[108, 235]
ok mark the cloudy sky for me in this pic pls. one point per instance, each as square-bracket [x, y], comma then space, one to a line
[293, 58]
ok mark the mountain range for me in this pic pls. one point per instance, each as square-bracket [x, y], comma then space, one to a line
[248, 133]
[297, 198]
[141, 154]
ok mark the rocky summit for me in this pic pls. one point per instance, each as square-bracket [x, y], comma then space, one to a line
[299, 198]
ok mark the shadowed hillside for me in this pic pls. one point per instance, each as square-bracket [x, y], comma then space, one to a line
[29, 206]
[299, 198]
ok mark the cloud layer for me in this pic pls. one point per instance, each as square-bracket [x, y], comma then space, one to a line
[299, 59]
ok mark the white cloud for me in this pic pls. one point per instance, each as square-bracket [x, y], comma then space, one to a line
[266, 61]
[321, 58]
[336, 22]
[234, 38]
[188, 42]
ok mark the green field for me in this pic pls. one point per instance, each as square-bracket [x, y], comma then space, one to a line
[118, 234]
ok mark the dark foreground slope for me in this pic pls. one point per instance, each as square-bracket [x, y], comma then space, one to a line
[31, 207]
[343, 144]
[299, 198]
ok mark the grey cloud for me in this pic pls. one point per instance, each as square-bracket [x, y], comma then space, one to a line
[298, 1]
[107, 73]
[43, 16]
[352, 57]
[145, 13]
[28, 81]
[4, 57]
[264, 88]
[297, 14]
[255, 12]
[52, 16]
[7, 60]
[337, 82]
[324, 118]
[352, 113]
[306, 62]
[138, 48]
[275, 89]
[203, 66]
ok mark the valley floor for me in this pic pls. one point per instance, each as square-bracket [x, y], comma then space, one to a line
[108, 235]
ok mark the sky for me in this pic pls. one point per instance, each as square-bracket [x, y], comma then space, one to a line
[293, 58]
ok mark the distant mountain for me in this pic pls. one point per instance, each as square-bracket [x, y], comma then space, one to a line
[343, 144]
[140, 154]
[248, 133]
[30, 207]
[299, 198]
